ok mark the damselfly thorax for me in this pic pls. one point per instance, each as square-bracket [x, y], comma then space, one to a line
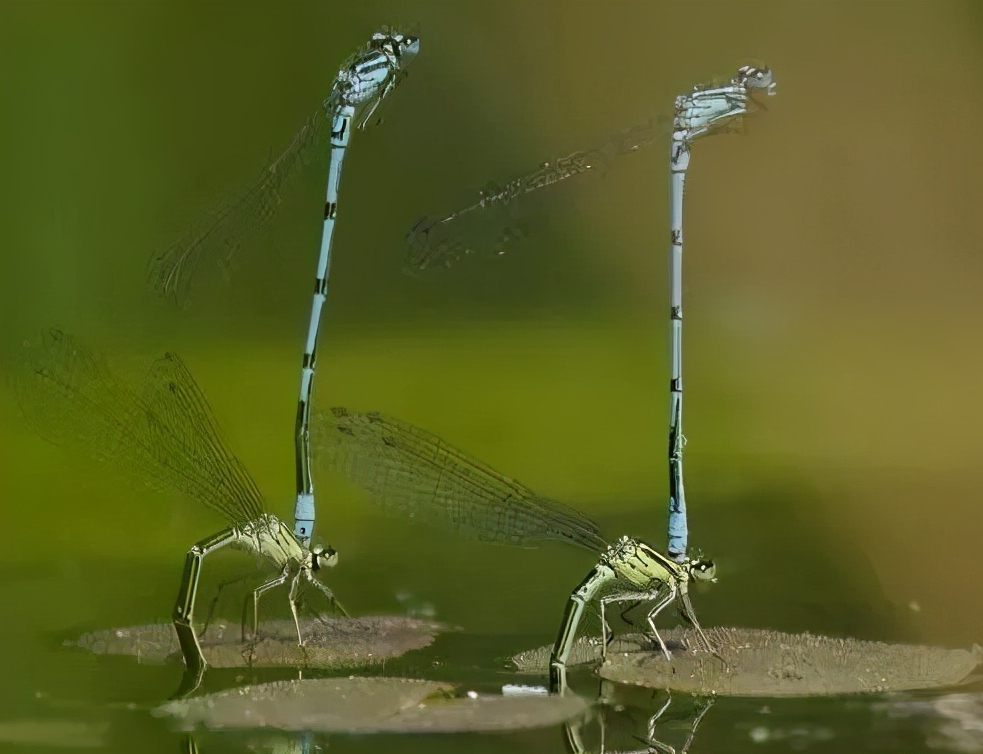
[641, 565]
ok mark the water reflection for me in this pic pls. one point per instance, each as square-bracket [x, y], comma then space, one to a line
[273, 743]
[621, 719]
[628, 721]
[953, 722]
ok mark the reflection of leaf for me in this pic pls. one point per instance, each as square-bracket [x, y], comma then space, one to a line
[363, 705]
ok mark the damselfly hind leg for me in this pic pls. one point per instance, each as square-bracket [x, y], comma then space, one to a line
[183, 616]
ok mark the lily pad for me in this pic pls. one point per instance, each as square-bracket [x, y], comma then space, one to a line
[757, 662]
[366, 705]
[585, 651]
[328, 642]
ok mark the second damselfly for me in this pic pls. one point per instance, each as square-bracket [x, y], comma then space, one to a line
[413, 474]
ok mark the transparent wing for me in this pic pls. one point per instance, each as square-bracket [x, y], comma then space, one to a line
[69, 396]
[219, 237]
[186, 440]
[414, 474]
[491, 225]
[163, 436]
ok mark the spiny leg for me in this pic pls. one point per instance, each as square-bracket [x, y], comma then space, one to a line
[260, 591]
[654, 612]
[338, 608]
[606, 633]
[292, 597]
[691, 616]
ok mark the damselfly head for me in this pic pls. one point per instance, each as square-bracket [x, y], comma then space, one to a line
[409, 48]
[322, 557]
[756, 77]
[404, 47]
[703, 569]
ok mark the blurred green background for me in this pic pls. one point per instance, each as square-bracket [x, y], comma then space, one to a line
[832, 275]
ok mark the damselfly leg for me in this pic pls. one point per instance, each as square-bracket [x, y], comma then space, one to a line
[636, 597]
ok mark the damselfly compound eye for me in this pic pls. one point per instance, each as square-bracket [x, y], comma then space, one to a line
[703, 570]
[327, 558]
[410, 47]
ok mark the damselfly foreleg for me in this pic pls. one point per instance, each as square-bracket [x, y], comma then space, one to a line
[691, 617]
[323, 588]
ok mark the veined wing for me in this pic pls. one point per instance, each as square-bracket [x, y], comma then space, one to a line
[164, 437]
[414, 474]
[186, 441]
[488, 227]
[219, 237]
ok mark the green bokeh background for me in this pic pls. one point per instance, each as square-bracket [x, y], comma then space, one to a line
[832, 294]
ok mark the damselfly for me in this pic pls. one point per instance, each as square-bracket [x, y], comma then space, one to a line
[366, 78]
[704, 111]
[363, 81]
[165, 436]
[414, 474]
